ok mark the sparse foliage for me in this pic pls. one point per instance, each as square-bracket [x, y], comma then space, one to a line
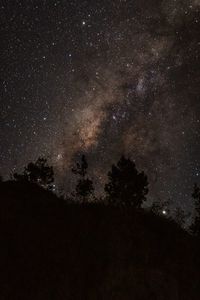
[196, 196]
[39, 172]
[84, 187]
[126, 186]
[180, 216]
[161, 207]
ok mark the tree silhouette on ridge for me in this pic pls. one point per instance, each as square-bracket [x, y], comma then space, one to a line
[126, 186]
[39, 173]
[84, 187]
[195, 227]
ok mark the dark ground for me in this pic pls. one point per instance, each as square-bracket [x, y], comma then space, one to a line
[51, 250]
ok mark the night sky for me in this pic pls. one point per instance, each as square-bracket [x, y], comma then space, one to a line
[103, 78]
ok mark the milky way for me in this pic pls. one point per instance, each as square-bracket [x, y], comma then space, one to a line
[103, 78]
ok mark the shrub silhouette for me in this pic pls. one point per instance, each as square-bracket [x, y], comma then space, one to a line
[39, 172]
[180, 216]
[126, 186]
[84, 187]
[196, 196]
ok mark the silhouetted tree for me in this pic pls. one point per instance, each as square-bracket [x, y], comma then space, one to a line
[39, 172]
[195, 227]
[180, 216]
[84, 187]
[126, 186]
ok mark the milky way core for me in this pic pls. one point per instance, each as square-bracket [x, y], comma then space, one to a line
[103, 78]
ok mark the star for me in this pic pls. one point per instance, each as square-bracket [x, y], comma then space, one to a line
[103, 83]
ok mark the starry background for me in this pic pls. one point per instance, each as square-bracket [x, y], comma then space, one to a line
[103, 78]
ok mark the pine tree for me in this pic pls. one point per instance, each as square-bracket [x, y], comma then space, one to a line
[84, 187]
[39, 173]
[196, 196]
[180, 216]
[126, 186]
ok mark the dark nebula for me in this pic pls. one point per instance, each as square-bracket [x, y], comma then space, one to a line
[103, 78]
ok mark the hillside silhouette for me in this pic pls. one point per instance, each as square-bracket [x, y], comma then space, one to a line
[51, 249]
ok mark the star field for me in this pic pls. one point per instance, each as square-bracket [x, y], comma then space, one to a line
[103, 78]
